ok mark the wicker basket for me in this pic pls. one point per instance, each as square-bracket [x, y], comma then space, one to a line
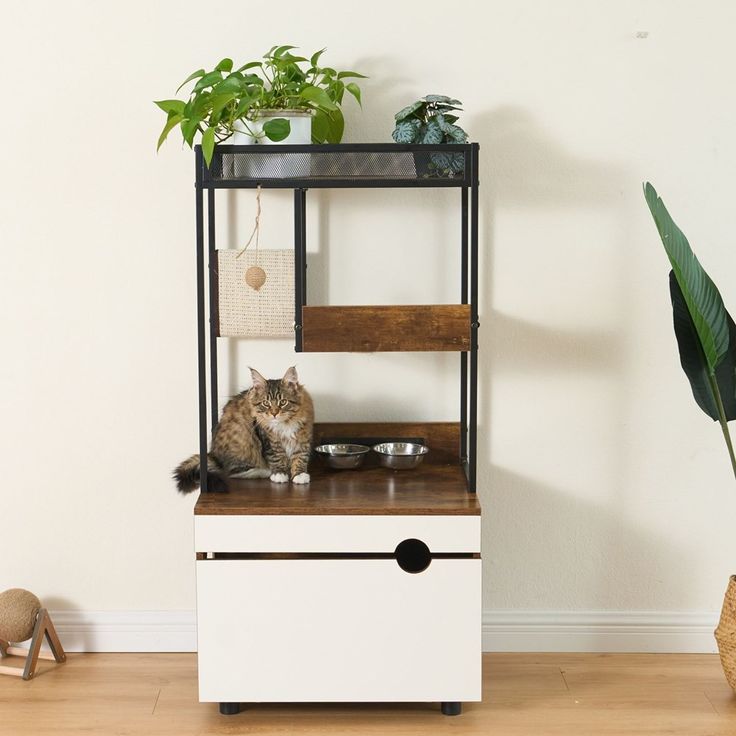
[726, 633]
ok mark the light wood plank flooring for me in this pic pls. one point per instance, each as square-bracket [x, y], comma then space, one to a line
[535, 694]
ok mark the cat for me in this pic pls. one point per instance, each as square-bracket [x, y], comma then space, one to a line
[264, 432]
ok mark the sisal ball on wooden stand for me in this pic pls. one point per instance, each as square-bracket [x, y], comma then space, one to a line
[22, 616]
[18, 611]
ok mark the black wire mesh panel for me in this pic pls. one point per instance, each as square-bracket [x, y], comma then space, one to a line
[446, 164]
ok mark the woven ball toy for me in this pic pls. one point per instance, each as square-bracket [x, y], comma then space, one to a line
[18, 611]
[255, 277]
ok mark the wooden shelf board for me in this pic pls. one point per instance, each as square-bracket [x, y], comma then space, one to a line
[428, 489]
[368, 329]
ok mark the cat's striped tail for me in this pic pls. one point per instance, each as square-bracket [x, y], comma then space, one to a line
[186, 474]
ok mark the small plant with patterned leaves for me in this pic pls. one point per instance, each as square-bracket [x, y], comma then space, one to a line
[431, 121]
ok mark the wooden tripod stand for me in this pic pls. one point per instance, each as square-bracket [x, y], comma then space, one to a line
[43, 628]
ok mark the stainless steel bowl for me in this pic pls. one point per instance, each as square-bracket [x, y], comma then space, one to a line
[400, 455]
[343, 457]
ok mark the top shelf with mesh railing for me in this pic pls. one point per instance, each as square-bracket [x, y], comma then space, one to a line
[337, 166]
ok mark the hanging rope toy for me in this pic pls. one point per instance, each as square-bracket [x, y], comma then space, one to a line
[255, 276]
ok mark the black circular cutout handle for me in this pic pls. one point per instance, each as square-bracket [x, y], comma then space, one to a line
[413, 555]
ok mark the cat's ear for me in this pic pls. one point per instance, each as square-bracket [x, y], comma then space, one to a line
[290, 376]
[258, 380]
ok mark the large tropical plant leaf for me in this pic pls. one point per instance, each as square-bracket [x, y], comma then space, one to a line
[692, 359]
[701, 296]
[706, 335]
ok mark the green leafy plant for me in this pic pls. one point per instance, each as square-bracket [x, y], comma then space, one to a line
[281, 81]
[431, 121]
[705, 332]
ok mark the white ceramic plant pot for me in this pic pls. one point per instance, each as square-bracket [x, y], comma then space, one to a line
[276, 165]
[300, 122]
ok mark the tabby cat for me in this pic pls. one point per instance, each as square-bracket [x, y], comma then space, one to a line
[264, 432]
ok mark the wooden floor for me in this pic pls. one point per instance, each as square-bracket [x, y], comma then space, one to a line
[531, 694]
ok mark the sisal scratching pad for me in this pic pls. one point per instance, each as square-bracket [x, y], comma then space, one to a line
[18, 609]
[247, 312]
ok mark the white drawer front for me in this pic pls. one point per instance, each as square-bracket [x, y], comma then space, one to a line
[363, 533]
[338, 630]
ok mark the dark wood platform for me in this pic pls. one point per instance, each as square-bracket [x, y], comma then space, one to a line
[371, 329]
[428, 489]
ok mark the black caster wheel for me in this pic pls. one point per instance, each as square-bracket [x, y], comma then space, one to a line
[452, 708]
[229, 709]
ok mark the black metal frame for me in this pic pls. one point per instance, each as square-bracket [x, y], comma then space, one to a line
[348, 180]
[468, 182]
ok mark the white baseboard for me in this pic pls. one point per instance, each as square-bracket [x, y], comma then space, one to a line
[503, 631]
[599, 631]
[126, 631]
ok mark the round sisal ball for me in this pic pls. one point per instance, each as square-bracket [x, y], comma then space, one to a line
[18, 609]
[255, 277]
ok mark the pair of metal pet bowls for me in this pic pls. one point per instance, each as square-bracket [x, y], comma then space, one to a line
[394, 455]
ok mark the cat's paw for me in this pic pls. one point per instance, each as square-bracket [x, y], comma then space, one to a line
[301, 478]
[279, 478]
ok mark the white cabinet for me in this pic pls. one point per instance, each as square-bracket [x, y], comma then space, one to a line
[310, 607]
[323, 630]
[324, 533]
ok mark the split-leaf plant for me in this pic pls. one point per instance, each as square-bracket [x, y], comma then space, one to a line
[280, 81]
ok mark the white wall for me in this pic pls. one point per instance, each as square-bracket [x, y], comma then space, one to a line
[607, 494]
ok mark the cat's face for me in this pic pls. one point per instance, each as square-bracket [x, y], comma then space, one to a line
[275, 400]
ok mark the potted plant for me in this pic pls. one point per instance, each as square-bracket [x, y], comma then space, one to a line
[706, 339]
[282, 99]
[431, 121]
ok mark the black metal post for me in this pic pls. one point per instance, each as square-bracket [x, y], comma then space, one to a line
[298, 268]
[214, 297]
[304, 245]
[464, 300]
[473, 417]
[201, 339]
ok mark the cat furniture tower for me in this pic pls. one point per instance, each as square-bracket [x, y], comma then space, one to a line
[363, 585]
